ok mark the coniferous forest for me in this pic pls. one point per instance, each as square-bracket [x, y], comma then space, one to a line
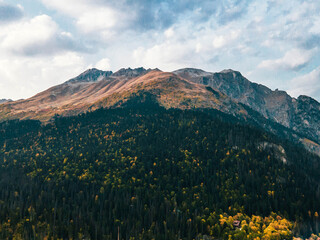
[145, 172]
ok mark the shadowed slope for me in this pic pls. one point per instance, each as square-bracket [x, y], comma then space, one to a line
[301, 114]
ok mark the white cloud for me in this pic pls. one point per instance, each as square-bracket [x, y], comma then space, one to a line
[103, 64]
[315, 29]
[187, 45]
[218, 42]
[23, 77]
[169, 32]
[37, 36]
[294, 59]
[69, 7]
[208, 35]
[92, 17]
[21, 36]
[308, 84]
[160, 56]
[97, 20]
[226, 37]
[36, 54]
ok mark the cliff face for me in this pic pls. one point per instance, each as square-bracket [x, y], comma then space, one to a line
[306, 116]
[301, 115]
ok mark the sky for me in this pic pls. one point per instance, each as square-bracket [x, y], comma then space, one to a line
[272, 42]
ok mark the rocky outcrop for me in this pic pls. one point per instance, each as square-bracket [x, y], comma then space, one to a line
[277, 150]
[301, 115]
[131, 73]
[306, 117]
[95, 75]
[91, 75]
[5, 100]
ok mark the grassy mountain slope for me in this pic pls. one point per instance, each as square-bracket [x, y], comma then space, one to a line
[75, 97]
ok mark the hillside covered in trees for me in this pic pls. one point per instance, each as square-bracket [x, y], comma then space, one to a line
[144, 172]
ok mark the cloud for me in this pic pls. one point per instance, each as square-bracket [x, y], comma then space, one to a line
[170, 34]
[103, 64]
[92, 17]
[231, 10]
[36, 54]
[98, 20]
[294, 59]
[310, 42]
[308, 84]
[37, 36]
[22, 77]
[160, 56]
[9, 13]
[220, 41]
[315, 29]
[142, 15]
[298, 26]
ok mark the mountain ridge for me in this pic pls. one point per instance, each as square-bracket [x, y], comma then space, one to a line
[184, 88]
[84, 90]
[276, 105]
[5, 100]
[90, 75]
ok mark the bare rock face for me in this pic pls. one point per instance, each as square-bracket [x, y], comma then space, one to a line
[131, 73]
[91, 75]
[95, 75]
[307, 116]
[5, 100]
[277, 150]
[301, 115]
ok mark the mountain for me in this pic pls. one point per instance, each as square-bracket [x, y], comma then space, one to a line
[141, 171]
[5, 100]
[301, 115]
[72, 97]
[127, 73]
[227, 91]
[146, 154]
[95, 75]
[94, 89]
[91, 75]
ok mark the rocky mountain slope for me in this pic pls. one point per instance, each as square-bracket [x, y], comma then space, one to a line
[5, 100]
[91, 75]
[227, 91]
[301, 114]
[94, 89]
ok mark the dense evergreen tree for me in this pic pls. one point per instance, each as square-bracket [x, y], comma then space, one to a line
[143, 172]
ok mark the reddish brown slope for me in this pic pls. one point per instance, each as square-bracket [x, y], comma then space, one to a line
[72, 98]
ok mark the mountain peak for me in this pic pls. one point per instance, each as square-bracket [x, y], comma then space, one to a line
[90, 75]
[231, 71]
[308, 102]
[307, 99]
[129, 72]
[5, 100]
[227, 70]
[191, 72]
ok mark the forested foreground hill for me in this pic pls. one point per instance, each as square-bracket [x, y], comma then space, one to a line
[144, 172]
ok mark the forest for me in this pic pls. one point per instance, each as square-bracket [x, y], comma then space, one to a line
[141, 171]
